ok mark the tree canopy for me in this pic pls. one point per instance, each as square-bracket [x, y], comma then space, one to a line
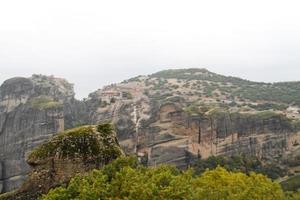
[124, 178]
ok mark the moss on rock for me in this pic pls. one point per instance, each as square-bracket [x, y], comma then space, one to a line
[88, 142]
[44, 102]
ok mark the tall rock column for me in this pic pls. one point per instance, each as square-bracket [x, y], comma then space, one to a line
[31, 110]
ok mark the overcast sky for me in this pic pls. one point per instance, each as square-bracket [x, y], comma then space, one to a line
[95, 43]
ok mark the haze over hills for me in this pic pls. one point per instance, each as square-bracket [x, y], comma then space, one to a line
[172, 116]
[85, 82]
[141, 100]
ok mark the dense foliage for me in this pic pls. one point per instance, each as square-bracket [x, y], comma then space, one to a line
[88, 142]
[125, 179]
[239, 163]
[291, 184]
[293, 195]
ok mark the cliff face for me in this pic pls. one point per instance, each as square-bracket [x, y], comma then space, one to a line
[221, 133]
[31, 110]
[169, 120]
[169, 117]
[167, 134]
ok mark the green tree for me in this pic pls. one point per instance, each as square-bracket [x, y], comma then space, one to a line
[219, 184]
[124, 178]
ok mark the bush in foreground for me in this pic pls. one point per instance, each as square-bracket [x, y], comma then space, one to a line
[125, 179]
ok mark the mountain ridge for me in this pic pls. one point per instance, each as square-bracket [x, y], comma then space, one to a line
[156, 74]
[172, 116]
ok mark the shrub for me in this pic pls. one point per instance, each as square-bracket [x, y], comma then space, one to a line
[44, 102]
[125, 179]
[292, 184]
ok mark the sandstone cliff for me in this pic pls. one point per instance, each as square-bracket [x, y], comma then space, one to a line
[31, 110]
[171, 117]
[174, 116]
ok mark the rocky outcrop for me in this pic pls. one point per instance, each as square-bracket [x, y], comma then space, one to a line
[162, 131]
[172, 117]
[31, 110]
[179, 137]
[72, 152]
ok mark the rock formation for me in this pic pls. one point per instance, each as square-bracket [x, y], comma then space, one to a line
[163, 126]
[72, 152]
[31, 110]
[174, 116]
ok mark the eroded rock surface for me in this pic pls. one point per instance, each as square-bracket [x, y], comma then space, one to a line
[31, 110]
[168, 120]
[172, 117]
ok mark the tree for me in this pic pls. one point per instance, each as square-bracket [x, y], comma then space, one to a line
[124, 178]
[220, 184]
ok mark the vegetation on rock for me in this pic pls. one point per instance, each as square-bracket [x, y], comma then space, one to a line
[291, 184]
[55, 162]
[230, 115]
[44, 102]
[239, 163]
[285, 92]
[88, 142]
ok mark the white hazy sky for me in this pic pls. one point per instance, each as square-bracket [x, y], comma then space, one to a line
[94, 43]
